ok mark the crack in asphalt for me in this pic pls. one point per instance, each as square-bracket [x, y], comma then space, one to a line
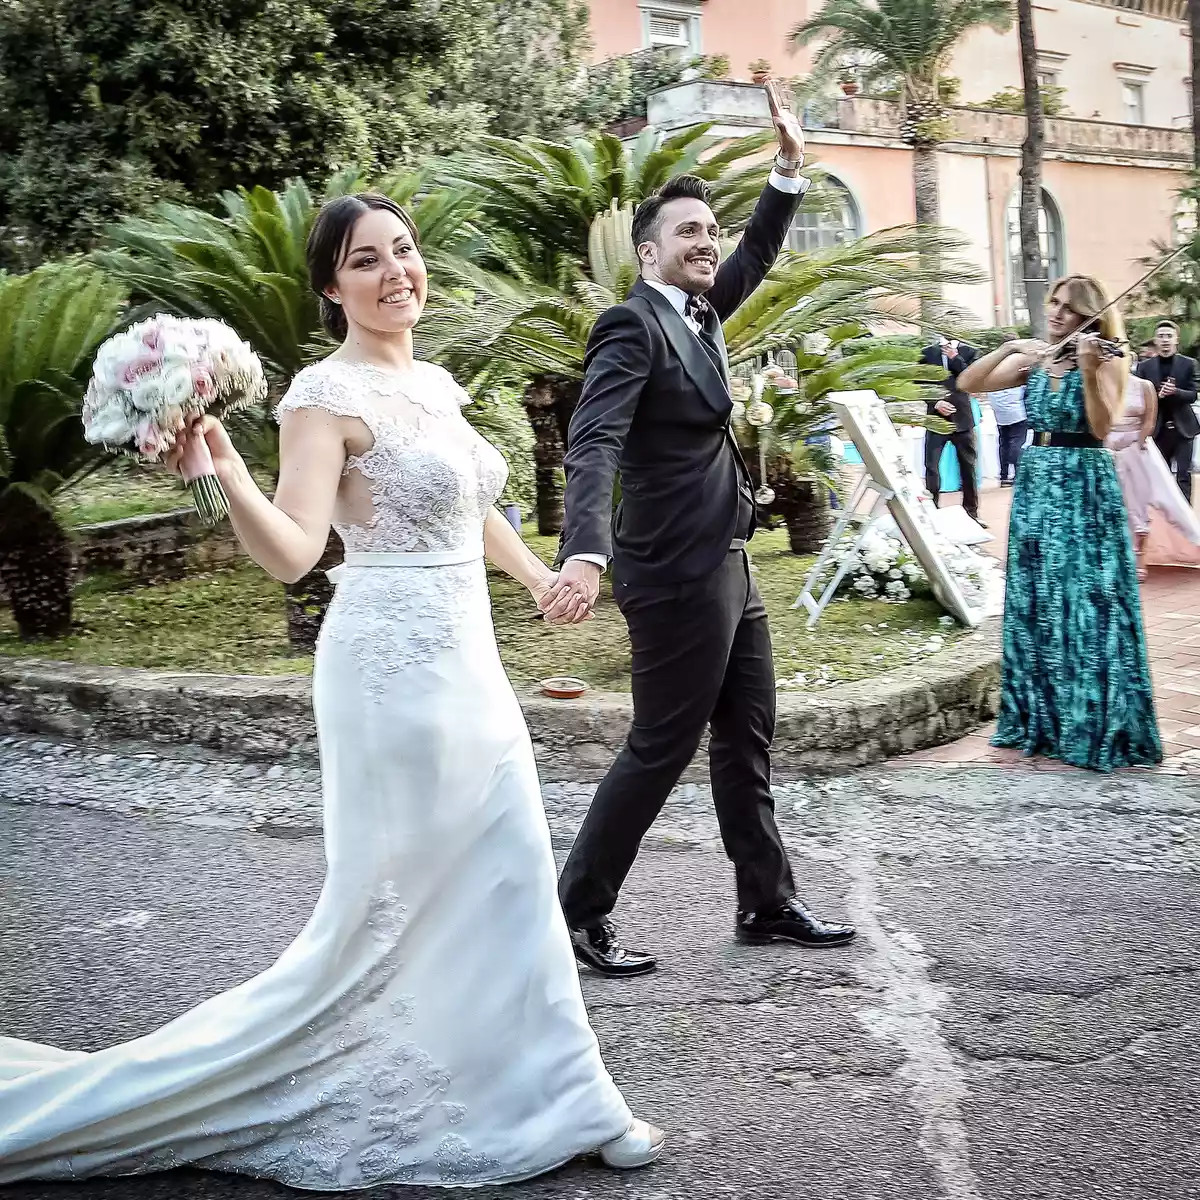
[907, 1016]
[989, 1064]
[944, 972]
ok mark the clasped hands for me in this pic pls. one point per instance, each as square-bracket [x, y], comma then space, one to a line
[569, 597]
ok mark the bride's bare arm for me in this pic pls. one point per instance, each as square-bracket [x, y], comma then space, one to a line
[506, 549]
[285, 537]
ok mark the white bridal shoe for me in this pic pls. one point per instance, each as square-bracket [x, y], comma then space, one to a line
[639, 1146]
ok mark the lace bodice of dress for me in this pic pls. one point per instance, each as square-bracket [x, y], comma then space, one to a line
[428, 479]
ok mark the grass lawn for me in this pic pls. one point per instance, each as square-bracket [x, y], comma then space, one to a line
[232, 621]
[121, 488]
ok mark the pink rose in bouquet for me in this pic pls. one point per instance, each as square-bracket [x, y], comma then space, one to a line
[155, 378]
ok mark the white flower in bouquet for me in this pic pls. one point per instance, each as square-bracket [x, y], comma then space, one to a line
[151, 380]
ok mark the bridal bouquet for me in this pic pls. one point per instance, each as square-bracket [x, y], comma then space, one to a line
[155, 378]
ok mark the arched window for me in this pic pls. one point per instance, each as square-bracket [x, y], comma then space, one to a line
[818, 228]
[1184, 224]
[1050, 234]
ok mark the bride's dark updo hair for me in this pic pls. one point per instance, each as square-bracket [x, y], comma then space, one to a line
[329, 241]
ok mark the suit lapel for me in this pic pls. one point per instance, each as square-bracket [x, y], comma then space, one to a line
[710, 380]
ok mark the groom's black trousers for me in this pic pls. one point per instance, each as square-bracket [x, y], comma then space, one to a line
[701, 659]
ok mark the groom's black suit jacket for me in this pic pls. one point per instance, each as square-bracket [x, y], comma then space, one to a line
[656, 406]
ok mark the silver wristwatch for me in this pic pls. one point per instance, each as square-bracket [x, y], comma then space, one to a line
[787, 164]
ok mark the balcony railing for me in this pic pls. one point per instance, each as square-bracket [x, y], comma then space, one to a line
[1067, 135]
[1175, 10]
[735, 105]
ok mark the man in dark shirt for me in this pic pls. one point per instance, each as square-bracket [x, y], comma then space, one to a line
[1174, 378]
[955, 407]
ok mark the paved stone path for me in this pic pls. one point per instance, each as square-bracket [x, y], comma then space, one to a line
[1018, 1020]
[1171, 611]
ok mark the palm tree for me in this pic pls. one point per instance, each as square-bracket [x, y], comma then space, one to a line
[909, 41]
[51, 323]
[1032, 262]
[539, 202]
[247, 268]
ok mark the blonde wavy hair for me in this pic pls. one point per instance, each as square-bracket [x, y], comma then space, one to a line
[1086, 296]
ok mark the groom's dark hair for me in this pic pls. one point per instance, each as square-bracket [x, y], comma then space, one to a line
[647, 220]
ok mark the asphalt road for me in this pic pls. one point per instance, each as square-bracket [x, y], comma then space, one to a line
[1019, 1018]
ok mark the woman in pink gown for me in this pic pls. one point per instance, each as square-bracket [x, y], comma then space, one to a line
[1164, 529]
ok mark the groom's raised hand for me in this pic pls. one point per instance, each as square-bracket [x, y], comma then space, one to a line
[787, 125]
[573, 595]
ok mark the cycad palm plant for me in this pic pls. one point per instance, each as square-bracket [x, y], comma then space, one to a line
[51, 323]
[791, 454]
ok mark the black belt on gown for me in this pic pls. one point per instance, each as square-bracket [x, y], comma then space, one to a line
[1084, 441]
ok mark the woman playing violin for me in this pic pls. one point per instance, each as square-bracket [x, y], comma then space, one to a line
[1075, 678]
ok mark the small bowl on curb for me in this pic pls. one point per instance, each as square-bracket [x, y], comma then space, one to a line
[563, 687]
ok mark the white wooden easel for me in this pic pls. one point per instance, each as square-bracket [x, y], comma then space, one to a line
[805, 599]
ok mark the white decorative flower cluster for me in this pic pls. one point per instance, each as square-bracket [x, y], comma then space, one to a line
[150, 380]
[881, 568]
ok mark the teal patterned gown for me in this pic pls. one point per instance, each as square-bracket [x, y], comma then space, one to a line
[1075, 680]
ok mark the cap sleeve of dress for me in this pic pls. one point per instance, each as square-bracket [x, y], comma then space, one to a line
[320, 386]
[452, 388]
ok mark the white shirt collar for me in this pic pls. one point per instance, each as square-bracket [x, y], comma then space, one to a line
[677, 296]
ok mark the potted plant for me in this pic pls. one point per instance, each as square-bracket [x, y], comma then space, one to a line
[760, 71]
[848, 82]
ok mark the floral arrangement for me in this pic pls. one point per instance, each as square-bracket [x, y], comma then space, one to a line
[881, 568]
[152, 380]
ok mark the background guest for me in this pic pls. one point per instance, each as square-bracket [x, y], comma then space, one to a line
[1174, 378]
[955, 407]
[1153, 500]
[1012, 428]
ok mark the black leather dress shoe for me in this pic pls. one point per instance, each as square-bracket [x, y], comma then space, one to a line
[600, 948]
[792, 922]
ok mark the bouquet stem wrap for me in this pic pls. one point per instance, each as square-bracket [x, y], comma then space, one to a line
[200, 475]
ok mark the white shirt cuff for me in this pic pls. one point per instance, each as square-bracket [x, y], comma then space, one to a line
[793, 185]
[598, 560]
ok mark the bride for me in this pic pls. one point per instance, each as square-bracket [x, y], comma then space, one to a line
[427, 1025]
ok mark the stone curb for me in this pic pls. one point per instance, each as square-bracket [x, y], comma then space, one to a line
[261, 717]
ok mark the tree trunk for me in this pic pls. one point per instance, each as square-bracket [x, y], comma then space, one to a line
[542, 404]
[1033, 265]
[925, 184]
[1194, 22]
[804, 506]
[308, 598]
[35, 566]
[927, 200]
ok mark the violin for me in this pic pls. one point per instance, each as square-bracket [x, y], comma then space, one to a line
[1069, 347]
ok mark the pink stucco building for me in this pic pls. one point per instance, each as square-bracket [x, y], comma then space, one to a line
[1115, 159]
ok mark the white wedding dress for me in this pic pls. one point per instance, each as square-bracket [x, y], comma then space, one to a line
[427, 1025]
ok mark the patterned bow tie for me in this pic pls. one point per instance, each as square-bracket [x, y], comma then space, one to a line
[696, 308]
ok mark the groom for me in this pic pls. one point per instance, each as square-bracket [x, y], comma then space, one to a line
[656, 406]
